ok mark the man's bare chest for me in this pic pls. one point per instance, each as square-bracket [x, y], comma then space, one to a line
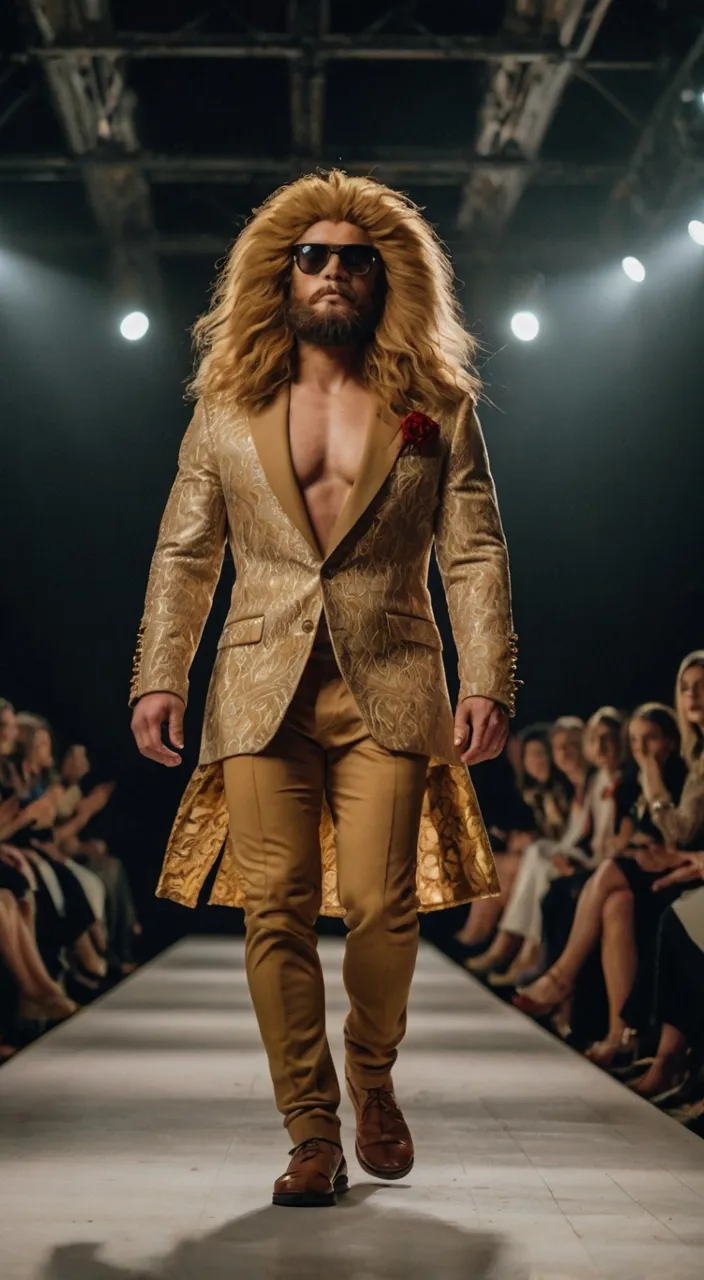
[327, 442]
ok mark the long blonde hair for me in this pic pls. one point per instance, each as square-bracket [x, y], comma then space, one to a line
[421, 355]
[692, 737]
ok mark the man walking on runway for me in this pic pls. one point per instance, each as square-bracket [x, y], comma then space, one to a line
[334, 442]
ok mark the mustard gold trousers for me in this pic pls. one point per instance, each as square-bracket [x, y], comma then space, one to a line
[274, 801]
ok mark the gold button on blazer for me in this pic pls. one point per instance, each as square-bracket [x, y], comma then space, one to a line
[236, 482]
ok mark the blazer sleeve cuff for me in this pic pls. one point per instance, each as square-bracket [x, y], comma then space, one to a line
[494, 676]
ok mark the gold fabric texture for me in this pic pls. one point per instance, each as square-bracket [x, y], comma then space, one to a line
[236, 481]
[455, 862]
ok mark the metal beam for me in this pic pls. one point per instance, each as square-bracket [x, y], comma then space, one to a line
[520, 103]
[308, 21]
[330, 48]
[97, 113]
[547, 255]
[668, 160]
[436, 169]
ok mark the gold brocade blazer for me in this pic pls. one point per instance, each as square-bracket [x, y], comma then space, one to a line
[236, 481]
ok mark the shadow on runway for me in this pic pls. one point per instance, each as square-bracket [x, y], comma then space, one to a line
[356, 1241]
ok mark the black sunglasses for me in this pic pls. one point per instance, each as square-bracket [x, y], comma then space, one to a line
[356, 259]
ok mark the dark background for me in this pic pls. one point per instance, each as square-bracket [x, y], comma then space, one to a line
[595, 430]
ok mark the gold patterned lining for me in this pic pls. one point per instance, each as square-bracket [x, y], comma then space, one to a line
[455, 862]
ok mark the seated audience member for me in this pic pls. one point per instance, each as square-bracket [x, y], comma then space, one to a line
[66, 909]
[612, 792]
[519, 936]
[511, 825]
[78, 926]
[122, 926]
[679, 989]
[75, 767]
[9, 733]
[616, 905]
[15, 813]
[680, 818]
[76, 808]
[40, 996]
[542, 798]
[541, 786]
[680, 997]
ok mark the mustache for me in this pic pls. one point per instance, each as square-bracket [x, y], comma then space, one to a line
[328, 292]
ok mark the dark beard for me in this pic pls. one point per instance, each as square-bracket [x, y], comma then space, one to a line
[353, 329]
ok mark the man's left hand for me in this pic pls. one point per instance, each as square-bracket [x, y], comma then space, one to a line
[481, 729]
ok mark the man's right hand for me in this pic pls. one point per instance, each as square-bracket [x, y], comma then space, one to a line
[150, 713]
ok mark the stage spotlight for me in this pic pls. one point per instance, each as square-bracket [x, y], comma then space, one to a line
[134, 326]
[696, 230]
[525, 325]
[634, 269]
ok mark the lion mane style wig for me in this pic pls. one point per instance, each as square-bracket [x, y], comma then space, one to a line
[420, 356]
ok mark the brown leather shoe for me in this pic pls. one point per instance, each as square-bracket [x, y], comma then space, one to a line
[316, 1176]
[384, 1147]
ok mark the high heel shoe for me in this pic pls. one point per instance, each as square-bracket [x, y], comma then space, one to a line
[544, 1008]
[521, 972]
[497, 957]
[617, 1048]
[468, 950]
[663, 1081]
[53, 1007]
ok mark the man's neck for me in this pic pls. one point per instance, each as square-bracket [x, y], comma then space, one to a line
[328, 369]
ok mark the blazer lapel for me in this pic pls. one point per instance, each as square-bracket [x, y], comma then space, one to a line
[381, 449]
[269, 430]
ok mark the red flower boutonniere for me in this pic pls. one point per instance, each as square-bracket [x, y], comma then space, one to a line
[419, 434]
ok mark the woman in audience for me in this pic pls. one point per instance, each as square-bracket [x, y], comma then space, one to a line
[519, 936]
[79, 924]
[511, 826]
[40, 995]
[681, 819]
[123, 927]
[679, 992]
[540, 805]
[58, 912]
[616, 903]
[9, 733]
[553, 875]
[15, 815]
[542, 787]
[678, 820]
[611, 795]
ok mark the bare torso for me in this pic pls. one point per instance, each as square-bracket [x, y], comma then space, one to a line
[327, 435]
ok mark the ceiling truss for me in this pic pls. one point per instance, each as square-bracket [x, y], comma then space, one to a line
[295, 46]
[308, 22]
[667, 165]
[520, 103]
[96, 110]
[436, 169]
[543, 44]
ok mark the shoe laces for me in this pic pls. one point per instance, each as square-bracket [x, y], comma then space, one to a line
[384, 1100]
[309, 1149]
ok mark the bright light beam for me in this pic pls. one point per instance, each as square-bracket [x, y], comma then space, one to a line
[634, 269]
[134, 326]
[525, 325]
[696, 231]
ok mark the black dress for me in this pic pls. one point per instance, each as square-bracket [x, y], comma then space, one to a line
[648, 908]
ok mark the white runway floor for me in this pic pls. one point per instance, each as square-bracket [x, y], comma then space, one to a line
[139, 1142]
